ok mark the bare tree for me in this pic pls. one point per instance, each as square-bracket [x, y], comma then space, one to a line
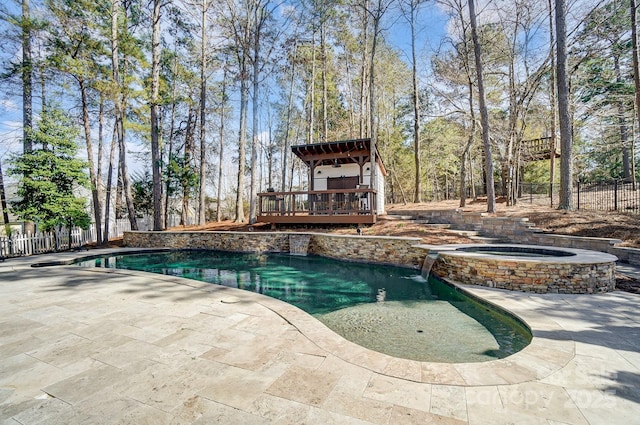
[484, 113]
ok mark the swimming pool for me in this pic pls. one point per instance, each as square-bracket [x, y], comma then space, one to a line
[387, 309]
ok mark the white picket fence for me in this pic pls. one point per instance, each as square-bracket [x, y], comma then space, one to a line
[41, 242]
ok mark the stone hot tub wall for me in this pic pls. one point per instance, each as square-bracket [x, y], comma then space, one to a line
[370, 249]
[586, 272]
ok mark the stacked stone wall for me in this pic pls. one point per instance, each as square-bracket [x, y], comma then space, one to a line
[521, 231]
[527, 276]
[223, 241]
[371, 249]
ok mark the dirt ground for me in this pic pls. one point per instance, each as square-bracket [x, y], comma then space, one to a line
[625, 227]
[603, 224]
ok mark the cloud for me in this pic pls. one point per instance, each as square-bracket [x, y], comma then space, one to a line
[8, 105]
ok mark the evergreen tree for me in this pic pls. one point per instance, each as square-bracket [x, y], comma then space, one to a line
[46, 192]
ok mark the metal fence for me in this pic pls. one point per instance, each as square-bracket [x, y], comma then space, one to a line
[608, 196]
[615, 195]
[28, 244]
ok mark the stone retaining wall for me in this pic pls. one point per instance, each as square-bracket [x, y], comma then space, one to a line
[557, 275]
[371, 249]
[223, 241]
[529, 276]
[521, 231]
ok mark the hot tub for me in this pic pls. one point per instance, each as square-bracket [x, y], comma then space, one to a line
[529, 268]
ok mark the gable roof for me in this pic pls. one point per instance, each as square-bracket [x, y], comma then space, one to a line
[339, 152]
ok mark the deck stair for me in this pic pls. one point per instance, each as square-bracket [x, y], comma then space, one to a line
[299, 244]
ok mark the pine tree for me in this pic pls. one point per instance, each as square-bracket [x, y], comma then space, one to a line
[47, 192]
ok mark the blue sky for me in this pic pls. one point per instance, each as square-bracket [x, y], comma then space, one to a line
[430, 31]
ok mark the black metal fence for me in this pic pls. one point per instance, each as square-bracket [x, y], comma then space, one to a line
[608, 196]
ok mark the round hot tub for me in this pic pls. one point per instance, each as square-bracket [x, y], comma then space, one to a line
[529, 268]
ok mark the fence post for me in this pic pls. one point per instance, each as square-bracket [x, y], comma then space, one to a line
[578, 186]
[615, 195]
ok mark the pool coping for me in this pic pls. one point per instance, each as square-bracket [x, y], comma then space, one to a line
[580, 256]
[541, 358]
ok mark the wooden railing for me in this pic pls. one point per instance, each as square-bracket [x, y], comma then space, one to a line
[536, 149]
[339, 202]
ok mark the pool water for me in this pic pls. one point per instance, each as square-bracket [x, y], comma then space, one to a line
[419, 319]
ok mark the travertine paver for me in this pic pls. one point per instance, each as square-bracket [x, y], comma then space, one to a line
[81, 346]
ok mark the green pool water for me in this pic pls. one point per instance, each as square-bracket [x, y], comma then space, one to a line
[419, 319]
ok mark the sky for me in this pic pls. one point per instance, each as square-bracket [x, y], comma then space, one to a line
[431, 29]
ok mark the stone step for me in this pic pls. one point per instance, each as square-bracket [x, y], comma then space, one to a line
[434, 225]
[467, 233]
[484, 239]
[399, 217]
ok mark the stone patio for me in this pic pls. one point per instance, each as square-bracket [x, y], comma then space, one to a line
[89, 346]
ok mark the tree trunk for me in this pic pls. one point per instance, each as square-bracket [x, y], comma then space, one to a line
[622, 123]
[564, 116]
[552, 100]
[484, 114]
[27, 88]
[417, 196]
[373, 119]
[312, 90]
[242, 142]
[189, 146]
[107, 203]
[203, 103]
[363, 72]
[169, 176]
[119, 114]
[287, 140]
[155, 117]
[27, 78]
[636, 80]
[323, 53]
[223, 101]
[3, 205]
[96, 186]
[467, 148]
[254, 126]
[100, 150]
[513, 122]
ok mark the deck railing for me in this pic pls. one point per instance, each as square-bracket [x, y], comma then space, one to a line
[319, 202]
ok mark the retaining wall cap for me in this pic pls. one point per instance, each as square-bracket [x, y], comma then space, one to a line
[331, 235]
[582, 256]
[611, 241]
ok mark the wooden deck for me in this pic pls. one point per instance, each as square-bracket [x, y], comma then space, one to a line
[538, 149]
[344, 206]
